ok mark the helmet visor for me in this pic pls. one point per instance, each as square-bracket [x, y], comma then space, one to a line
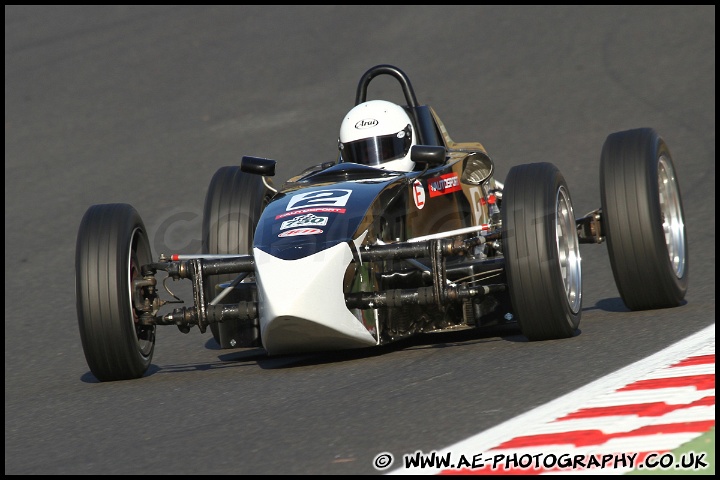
[378, 150]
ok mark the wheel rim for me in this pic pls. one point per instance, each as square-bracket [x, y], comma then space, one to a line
[144, 334]
[568, 249]
[671, 215]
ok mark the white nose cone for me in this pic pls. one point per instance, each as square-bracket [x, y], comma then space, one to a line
[302, 304]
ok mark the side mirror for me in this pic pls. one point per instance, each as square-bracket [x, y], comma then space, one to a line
[477, 168]
[258, 166]
[430, 155]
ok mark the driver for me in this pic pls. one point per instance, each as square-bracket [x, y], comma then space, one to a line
[379, 134]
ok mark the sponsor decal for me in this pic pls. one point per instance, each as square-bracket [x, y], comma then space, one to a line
[319, 198]
[308, 220]
[443, 185]
[311, 210]
[419, 194]
[366, 123]
[300, 231]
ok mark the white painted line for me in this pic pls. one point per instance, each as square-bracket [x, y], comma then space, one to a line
[700, 343]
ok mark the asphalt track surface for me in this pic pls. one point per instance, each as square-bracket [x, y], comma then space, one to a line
[142, 105]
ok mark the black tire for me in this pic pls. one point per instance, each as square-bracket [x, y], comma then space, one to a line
[233, 205]
[643, 220]
[541, 248]
[112, 244]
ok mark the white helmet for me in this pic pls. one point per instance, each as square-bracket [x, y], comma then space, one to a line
[379, 134]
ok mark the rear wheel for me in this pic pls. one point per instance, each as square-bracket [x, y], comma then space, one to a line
[233, 205]
[112, 245]
[643, 220]
[542, 252]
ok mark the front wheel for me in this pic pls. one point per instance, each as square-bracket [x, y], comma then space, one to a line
[643, 220]
[233, 205]
[112, 245]
[542, 254]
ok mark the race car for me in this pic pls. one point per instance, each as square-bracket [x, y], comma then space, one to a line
[351, 254]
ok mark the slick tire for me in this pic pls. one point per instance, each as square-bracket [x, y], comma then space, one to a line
[233, 205]
[541, 249]
[112, 245]
[643, 220]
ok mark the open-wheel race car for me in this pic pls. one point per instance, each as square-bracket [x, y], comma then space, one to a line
[355, 252]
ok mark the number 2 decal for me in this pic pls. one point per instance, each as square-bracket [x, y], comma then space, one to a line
[320, 198]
